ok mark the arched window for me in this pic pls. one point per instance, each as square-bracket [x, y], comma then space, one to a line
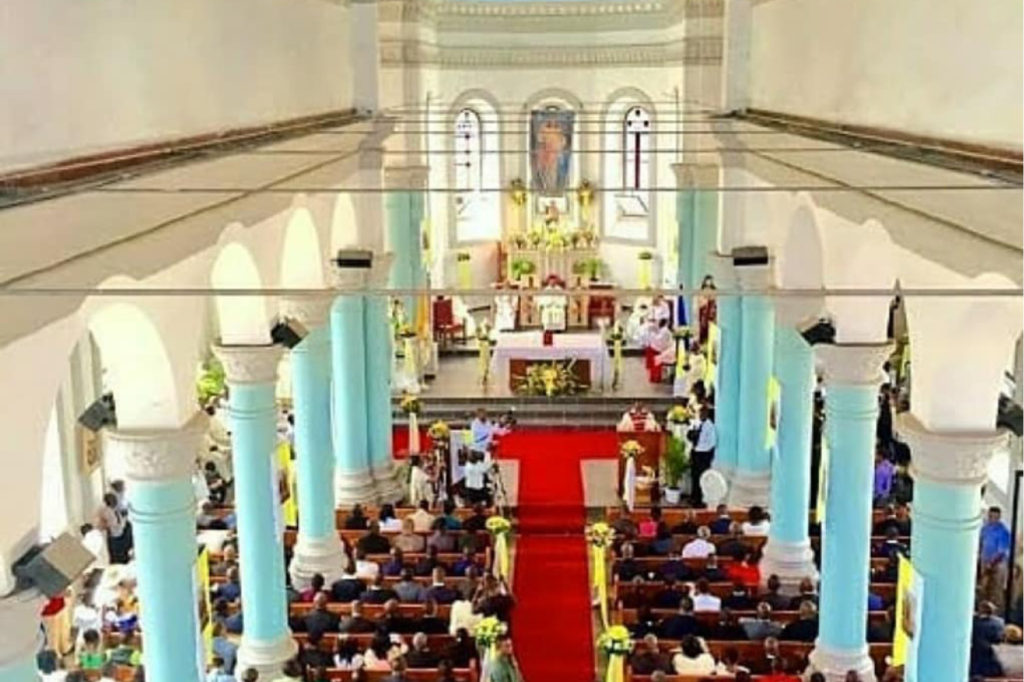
[636, 131]
[468, 166]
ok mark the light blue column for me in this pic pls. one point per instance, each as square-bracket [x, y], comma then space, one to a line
[318, 548]
[853, 375]
[727, 388]
[684, 239]
[379, 354]
[696, 226]
[787, 553]
[753, 462]
[705, 230]
[163, 516]
[404, 207]
[252, 376]
[948, 470]
[22, 636]
[353, 482]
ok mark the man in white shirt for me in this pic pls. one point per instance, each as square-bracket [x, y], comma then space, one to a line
[422, 519]
[95, 542]
[482, 430]
[705, 441]
[475, 471]
[703, 600]
[700, 547]
[364, 567]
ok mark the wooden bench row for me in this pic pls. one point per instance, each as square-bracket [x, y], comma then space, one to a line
[647, 590]
[702, 517]
[752, 653]
[653, 563]
[624, 616]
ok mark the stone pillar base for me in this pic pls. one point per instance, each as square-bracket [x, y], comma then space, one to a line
[355, 488]
[835, 663]
[316, 555]
[19, 623]
[267, 657]
[790, 561]
[747, 489]
[389, 487]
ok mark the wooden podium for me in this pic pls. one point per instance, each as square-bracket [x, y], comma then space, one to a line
[653, 443]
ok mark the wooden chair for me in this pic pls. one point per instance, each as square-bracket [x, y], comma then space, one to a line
[446, 327]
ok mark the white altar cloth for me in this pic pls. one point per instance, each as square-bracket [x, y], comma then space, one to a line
[530, 346]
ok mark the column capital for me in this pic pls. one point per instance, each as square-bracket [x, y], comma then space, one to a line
[371, 157]
[952, 457]
[310, 311]
[696, 175]
[794, 311]
[380, 269]
[353, 270]
[721, 268]
[411, 178]
[854, 364]
[153, 455]
[20, 617]
[249, 364]
[754, 277]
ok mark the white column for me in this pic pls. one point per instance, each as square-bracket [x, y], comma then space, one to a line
[20, 627]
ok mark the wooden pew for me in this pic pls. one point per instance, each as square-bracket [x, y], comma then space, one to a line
[438, 643]
[676, 515]
[752, 653]
[370, 611]
[482, 538]
[647, 590]
[341, 515]
[462, 675]
[446, 559]
[623, 616]
[651, 564]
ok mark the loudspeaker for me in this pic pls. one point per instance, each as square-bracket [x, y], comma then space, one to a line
[821, 332]
[1010, 416]
[750, 255]
[101, 413]
[288, 333]
[354, 258]
[51, 568]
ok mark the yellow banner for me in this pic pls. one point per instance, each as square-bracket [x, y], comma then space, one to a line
[204, 604]
[774, 396]
[286, 485]
[616, 665]
[616, 362]
[644, 274]
[711, 352]
[463, 273]
[909, 590]
[501, 554]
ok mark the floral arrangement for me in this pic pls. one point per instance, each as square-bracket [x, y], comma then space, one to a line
[498, 525]
[646, 255]
[682, 332]
[439, 431]
[587, 237]
[212, 382]
[585, 193]
[600, 534]
[518, 240]
[556, 240]
[631, 448]
[406, 331]
[410, 404]
[616, 333]
[550, 379]
[521, 267]
[615, 641]
[679, 414]
[488, 631]
[534, 238]
[462, 257]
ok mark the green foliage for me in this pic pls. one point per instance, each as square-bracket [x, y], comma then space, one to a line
[211, 382]
[521, 267]
[675, 462]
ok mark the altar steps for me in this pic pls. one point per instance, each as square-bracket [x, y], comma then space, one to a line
[577, 412]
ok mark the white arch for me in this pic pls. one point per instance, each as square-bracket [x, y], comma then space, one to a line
[243, 320]
[344, 227]
[301, 256]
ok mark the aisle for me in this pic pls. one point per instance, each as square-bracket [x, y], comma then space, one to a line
[552, 620]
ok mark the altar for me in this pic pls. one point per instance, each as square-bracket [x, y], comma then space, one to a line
[511, 348]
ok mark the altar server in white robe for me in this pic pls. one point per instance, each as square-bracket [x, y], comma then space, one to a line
[637, 418]
[420, 485]
[638, 325]
[553, 306]
[629, 483]
[660, 310]
[693, 371]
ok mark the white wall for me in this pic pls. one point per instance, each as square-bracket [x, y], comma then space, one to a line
[83, 77]
[950, 69]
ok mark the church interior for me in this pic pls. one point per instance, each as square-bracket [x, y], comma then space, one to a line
[511, 340]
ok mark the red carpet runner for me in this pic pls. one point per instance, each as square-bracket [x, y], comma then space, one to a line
[551, 623]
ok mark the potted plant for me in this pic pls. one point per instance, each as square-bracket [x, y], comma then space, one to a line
[522, 267]
[594, 268]
[675, 464]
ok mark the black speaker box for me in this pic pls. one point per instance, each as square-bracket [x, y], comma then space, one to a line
[51, 568]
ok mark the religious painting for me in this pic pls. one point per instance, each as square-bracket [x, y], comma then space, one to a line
[551, 150]
[89, 450]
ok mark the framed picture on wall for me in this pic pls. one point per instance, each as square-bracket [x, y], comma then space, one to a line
[90, 449]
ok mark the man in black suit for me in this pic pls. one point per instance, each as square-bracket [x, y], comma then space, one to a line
[431, 623]
[804, 628]
[379, 592]
[348, 587]
[680, 624]
[320, 620]
[439, 591]
[420, 655]
[373, 542]
[394, 622]
[356, 624]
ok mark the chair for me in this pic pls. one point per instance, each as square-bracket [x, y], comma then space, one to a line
[446, 328]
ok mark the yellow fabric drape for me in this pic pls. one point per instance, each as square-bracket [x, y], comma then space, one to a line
[680, 356]
[645, 274]
[414, 434]
[501, 559]
[616, 362]
[616, 668]
[409, 349]
[485, 360]
[601, 580]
